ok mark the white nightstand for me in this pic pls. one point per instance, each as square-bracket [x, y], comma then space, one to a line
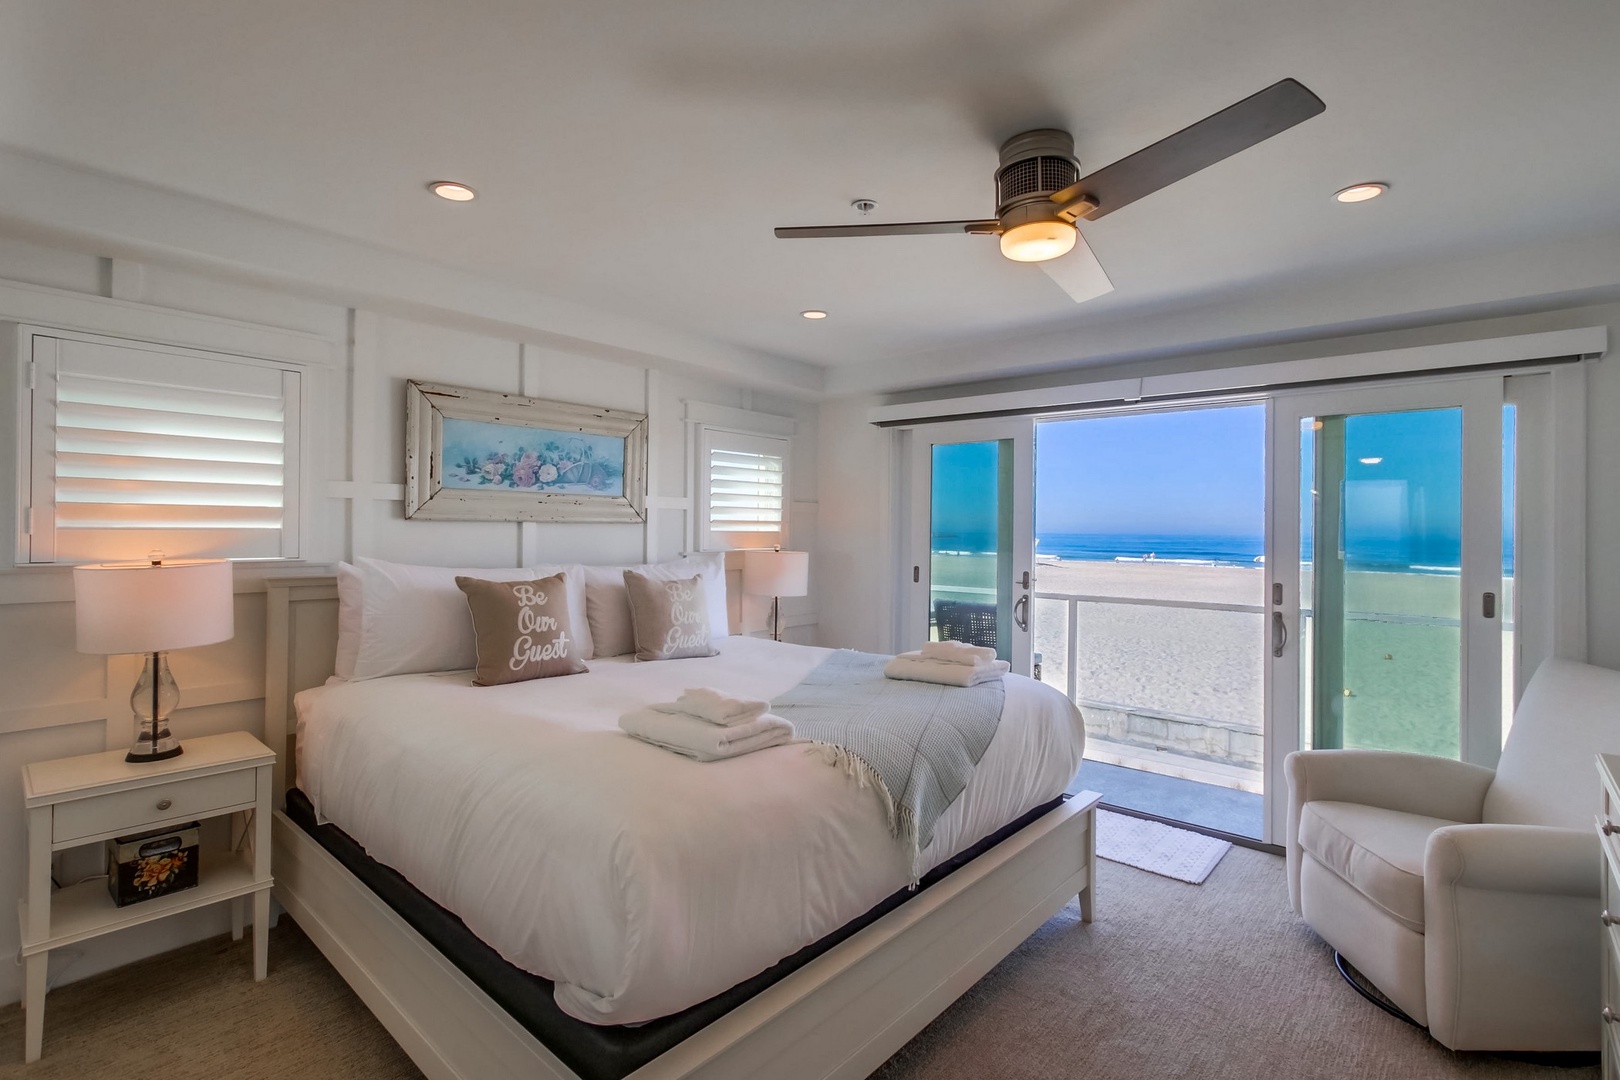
[85, 800]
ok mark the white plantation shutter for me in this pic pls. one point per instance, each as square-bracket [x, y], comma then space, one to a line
[745, 489]
[139, 448]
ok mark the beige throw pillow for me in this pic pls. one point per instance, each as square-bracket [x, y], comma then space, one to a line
[607, 604]
[522, 628]
[671, 618]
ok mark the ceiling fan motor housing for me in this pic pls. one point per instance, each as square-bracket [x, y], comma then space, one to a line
[1034, 167]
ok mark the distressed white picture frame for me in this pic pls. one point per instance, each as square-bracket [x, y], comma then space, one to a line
[429, 405]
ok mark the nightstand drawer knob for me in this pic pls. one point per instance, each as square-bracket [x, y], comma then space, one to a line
[164, 804]
[1610, 1016]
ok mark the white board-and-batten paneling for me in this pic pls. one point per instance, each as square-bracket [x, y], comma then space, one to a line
[61, 702]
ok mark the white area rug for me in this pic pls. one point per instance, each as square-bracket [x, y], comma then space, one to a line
[1158, 848]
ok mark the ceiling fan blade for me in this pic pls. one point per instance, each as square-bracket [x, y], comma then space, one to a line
[1235, 128]
[899, 228]
[1079, 273]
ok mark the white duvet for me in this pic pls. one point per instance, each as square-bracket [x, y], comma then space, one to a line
[640, 882]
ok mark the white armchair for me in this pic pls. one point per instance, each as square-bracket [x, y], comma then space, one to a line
[1468, 896]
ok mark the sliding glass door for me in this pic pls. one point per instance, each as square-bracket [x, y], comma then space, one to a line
[1217, 585]
[1386, 602]
[969, 577]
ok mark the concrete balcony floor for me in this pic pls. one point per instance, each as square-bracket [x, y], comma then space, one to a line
[1174, 798]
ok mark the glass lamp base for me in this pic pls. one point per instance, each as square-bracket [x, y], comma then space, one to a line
[143, 750]
[154, 697]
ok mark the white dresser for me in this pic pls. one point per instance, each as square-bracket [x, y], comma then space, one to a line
[1609, 839]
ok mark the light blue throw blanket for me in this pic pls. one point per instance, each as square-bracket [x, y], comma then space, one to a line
[917, 743]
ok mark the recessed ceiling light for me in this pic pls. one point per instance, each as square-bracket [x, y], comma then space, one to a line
[1360, 192]
[814, 314]
[449, 189]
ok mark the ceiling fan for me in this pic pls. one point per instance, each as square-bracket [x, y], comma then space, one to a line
[1040, 193]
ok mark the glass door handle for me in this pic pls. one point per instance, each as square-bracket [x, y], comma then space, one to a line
[1021, 612]
[1279, 634]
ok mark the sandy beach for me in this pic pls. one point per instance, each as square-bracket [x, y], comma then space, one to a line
[1401, 644]
[1187, 662]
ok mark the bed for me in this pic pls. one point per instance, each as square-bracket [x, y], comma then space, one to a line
[882, 964]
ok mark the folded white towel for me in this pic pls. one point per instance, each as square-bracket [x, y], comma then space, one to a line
[913, 666]
[920, 657]
[709, 704]
[694, 738]
[957, 652]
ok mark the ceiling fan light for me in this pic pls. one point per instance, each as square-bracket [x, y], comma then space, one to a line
[1038, 241]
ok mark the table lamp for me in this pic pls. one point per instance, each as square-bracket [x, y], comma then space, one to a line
[151, 608]
[776, 574]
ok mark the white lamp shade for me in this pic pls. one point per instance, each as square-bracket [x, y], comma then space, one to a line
[776, 573]
[142, 608]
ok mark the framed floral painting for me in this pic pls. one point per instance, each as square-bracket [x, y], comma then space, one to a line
[476, 455]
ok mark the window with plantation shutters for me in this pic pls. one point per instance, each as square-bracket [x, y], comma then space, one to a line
[744, 499]
[137, 448]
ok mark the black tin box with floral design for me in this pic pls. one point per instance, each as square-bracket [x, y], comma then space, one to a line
[151, 864]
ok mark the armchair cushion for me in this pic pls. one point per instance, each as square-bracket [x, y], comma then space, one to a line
[1377, 852]
[1428, 787]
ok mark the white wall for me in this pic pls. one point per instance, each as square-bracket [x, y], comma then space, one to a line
[852, 570]
[856, 583]
[61, 702]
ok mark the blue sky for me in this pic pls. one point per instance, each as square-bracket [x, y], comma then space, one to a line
[1402, 493]
[1196, 471]
[1201, 472]
[965, 483]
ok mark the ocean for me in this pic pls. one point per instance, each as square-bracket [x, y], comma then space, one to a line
[1439, 556]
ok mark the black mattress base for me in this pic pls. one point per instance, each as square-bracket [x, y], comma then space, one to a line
[592, 1051]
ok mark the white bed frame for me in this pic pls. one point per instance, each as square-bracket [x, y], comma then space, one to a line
[840, 1016]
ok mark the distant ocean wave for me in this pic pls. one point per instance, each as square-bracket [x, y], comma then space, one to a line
[1093, 547]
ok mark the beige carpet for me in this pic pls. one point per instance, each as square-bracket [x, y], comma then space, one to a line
[1176, 980]
[197, 1014]
[1172, 980]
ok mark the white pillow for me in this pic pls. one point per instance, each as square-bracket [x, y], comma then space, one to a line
[607, 604]
[351, 619]
[397, 618]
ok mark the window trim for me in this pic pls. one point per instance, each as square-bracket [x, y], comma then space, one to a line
[296, 529]
[707, 538]
[703, 417]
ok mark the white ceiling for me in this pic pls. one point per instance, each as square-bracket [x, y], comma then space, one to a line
[633, 156]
